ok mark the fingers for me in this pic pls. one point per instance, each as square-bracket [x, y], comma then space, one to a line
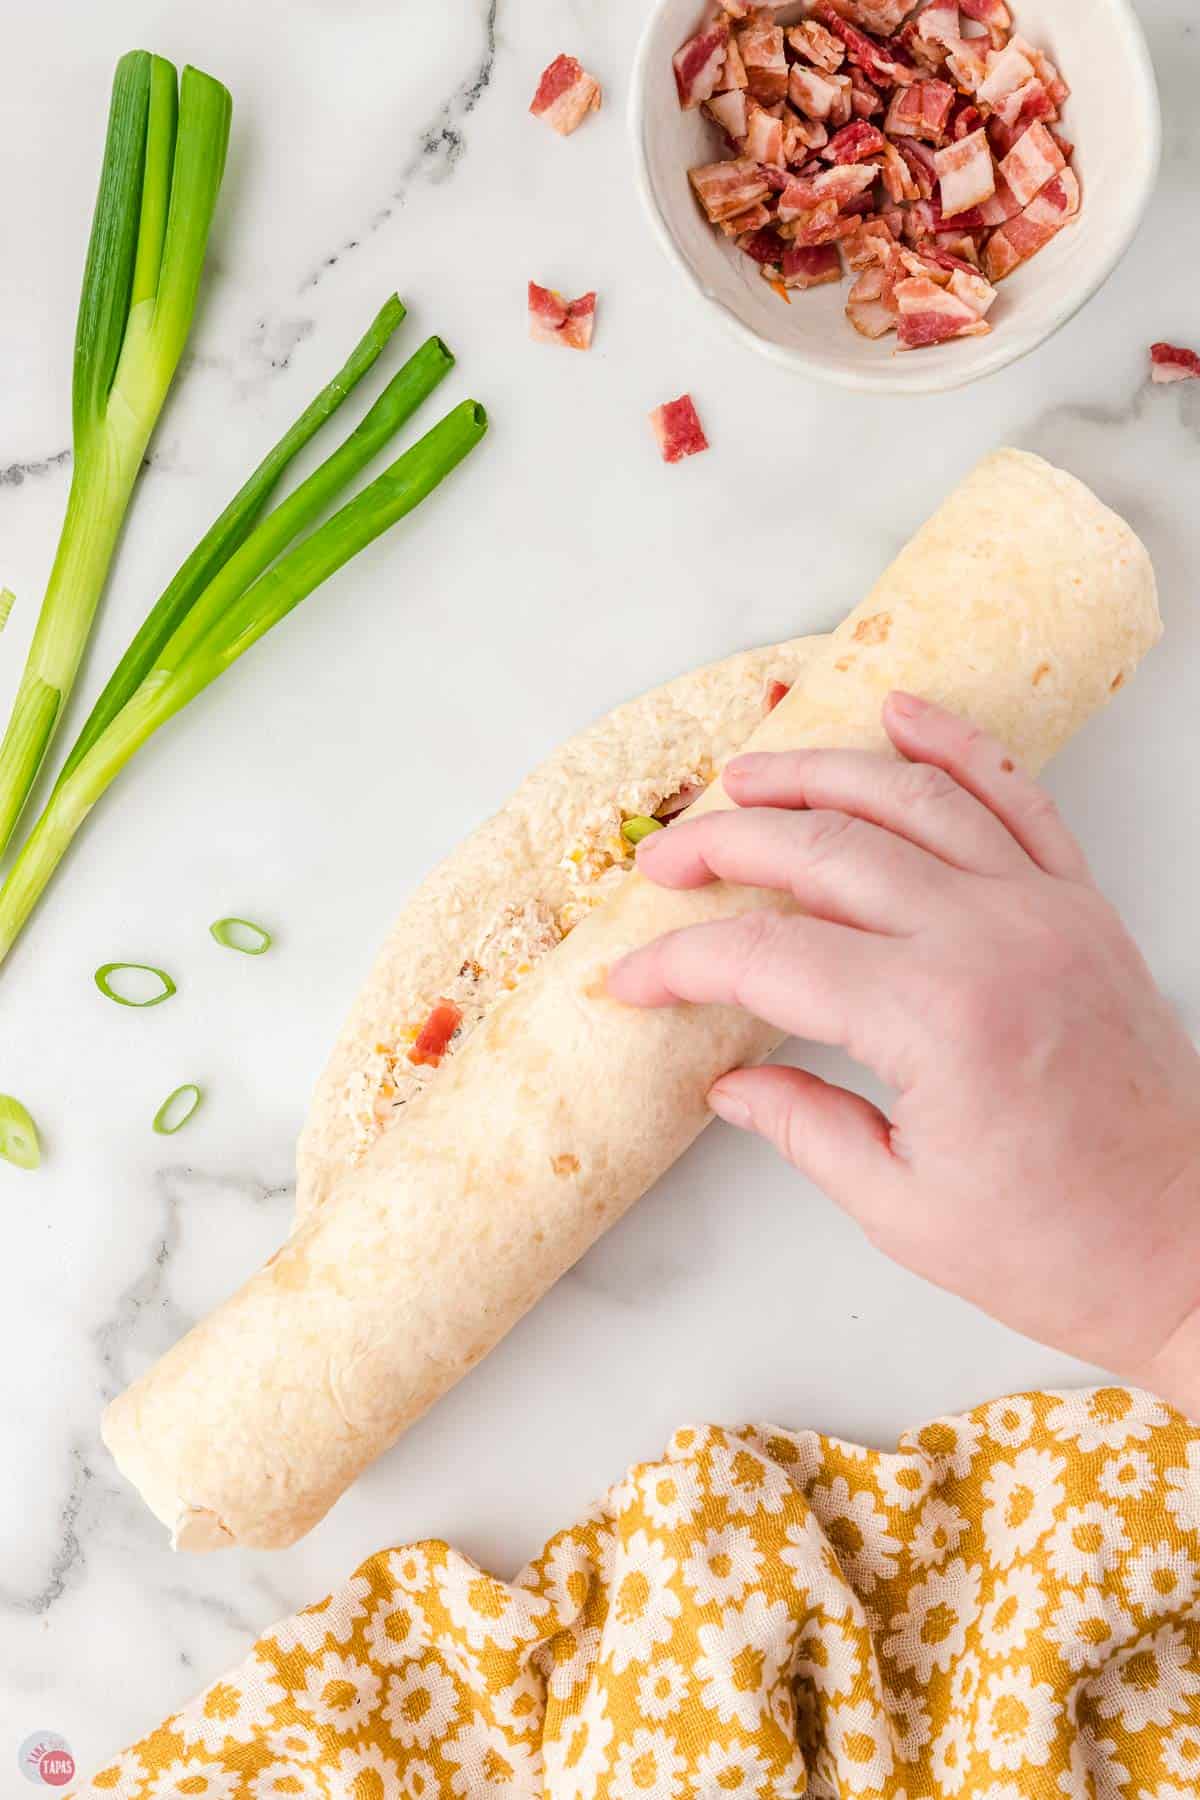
[916, 800]
[802, 975]
[836, 1138]
[927, 733]
[838, 867]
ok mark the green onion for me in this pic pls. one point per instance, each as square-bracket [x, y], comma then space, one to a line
[232, 934]
[7, 597]
[229, 532]
[18, 1134]
[635, 829]
[163, 162]
[103, 980]
[246, 599]
[177, 1109]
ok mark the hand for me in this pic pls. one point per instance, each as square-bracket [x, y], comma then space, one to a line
[1043, 1155]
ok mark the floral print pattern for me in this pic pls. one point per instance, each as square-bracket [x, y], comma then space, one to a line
[1005, 1608]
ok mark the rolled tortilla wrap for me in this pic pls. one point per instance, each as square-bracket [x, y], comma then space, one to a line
[1023, 604]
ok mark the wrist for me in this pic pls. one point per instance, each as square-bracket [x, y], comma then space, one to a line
[1174, 1371]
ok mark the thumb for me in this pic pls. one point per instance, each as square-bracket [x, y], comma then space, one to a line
[836, 1138]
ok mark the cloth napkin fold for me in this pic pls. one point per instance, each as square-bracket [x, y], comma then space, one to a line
[1005, 1608]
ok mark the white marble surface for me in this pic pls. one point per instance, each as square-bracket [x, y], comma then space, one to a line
[382, 142]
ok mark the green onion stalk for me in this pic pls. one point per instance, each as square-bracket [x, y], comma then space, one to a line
[163, 162]
[256, 587]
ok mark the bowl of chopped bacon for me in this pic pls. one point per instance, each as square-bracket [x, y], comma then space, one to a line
[849, 182]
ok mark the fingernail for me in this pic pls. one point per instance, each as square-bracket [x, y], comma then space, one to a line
[730, 1108]
[647, 847]
[907, 705]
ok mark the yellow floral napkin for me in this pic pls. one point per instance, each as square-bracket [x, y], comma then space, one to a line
[1006, 1608]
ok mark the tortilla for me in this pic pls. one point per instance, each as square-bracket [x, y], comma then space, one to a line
[1023, 604]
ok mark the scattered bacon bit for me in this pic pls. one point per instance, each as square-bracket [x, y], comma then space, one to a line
[810, 266]
[1169, 363]
[433, 1039]
[854, 143]
[966, 174]
[676, 425]
[957, 180]
[566, 95]
[553, 320]
[699, 64]
[776, 691]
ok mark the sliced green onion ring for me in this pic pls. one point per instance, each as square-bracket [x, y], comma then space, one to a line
[177, 1109]
[18, 1134]
[104, 983]
[637, 828]
[232, 934]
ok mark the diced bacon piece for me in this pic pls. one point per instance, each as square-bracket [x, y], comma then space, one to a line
[992, 13]
[1044, 69]
[921, 221]
[729, 111]
[966, 174]
[1020, 108]
[801, 135]
[735, 9]
[967, 62]
[776, 179]
[733, 74]
[921, 110]
[970, 287]
[812, 92]
[893, 218]
[817, 46]
[924, 268]
[676, 425]
[842, 110]
[765, 246]
[1033, 160]
[1065, 145]
[726, 188]
[810, 267]
[919, 158]
[765, 62]
[1007, 70]
[939, 23]
[764, 135]
[699, 64]
[929, 56]
[930, 314]
[966, 119]
[553, 320]
[1169, 363]
[862, 249]
[753, 219]
[865, 98]
[1032, 229]
[936, 255]
[897, 181]
[838, 186]
[823, 225]
[776, 690]
[880, 16]
[959, 246]
[433, 1039]
[854, 143]
[888, 65]
[866, 310]
[566, 95]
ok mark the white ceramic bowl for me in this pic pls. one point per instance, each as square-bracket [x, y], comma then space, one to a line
[1112, 117]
